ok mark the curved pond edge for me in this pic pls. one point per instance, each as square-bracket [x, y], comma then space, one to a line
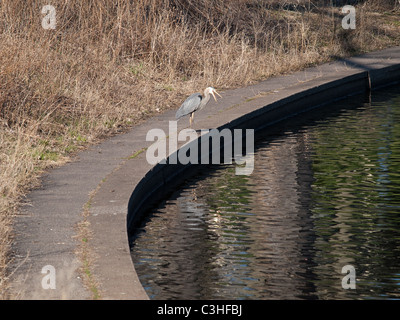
[271, 101]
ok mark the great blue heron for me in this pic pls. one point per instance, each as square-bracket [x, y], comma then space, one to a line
[195, 102]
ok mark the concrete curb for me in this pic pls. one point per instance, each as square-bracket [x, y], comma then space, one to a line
[117, 169]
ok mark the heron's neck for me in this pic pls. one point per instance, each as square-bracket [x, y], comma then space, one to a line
[205, 99]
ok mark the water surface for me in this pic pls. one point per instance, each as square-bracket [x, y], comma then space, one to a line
[324, 193]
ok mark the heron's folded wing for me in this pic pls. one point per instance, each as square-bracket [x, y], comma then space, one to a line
[189, 105]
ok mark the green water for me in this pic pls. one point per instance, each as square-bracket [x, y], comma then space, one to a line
[324, 193]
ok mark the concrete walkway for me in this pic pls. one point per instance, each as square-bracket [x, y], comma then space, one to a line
[107, 173]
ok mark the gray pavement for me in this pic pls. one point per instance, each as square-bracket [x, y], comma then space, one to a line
[107, 174]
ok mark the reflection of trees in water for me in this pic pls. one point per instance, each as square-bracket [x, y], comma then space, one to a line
[281, 186]
[218, 201]
[355, 158]
[261, 226]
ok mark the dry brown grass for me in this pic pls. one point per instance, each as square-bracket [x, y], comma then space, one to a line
[109, 64]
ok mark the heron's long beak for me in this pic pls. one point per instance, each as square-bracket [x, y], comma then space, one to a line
[212, 92]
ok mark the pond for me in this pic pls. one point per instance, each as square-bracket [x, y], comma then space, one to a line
[324, 194]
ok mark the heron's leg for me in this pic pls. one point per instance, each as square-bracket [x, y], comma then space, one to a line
[191, 119]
